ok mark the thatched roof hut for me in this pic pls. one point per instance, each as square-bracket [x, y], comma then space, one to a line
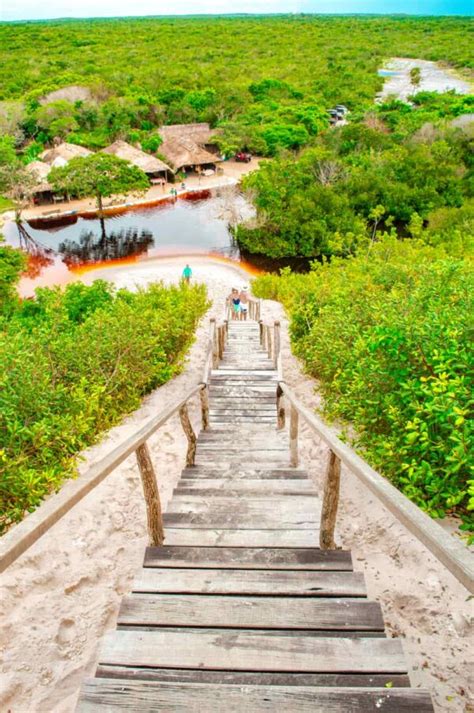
[199, 133]
[40, 171]
[186, 145]
[149, 164]
[61, 154]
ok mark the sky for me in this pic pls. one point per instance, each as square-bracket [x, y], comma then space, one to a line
[35, 10]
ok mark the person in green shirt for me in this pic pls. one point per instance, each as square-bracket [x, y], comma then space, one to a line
[187, 274]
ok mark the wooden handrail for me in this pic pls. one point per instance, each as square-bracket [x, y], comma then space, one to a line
[453, 554]
[26, 533]
[15, 542]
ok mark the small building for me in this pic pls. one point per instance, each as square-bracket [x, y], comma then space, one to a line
[60, 155]
[42, 192]
[156, 170]
[189, 147]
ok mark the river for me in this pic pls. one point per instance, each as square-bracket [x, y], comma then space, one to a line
[61, 248]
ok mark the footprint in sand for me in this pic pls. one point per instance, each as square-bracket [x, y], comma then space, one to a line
[66, 632]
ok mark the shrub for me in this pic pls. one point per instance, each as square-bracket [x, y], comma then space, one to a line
[388, 336]
[73, 363]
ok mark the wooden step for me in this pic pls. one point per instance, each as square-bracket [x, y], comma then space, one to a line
[249, 651]
[294, 583]
[248, 558]
[242, 472]
[250, 612]
[221, 486]
[113, 694]
[246, 678]
[218, 537]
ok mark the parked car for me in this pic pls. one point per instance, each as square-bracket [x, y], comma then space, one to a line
[243, 157]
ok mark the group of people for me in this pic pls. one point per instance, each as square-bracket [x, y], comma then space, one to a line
[238, 299]
[239, 302]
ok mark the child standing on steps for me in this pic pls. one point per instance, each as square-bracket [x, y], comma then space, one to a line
[244, 303]
[235, 303]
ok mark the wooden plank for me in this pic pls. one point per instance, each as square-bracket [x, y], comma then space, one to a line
[249, 612]
[251, 582]
[244, 514]
[248, 558]
[222, 486]
[299, 504]
[362, 680]
[241, 473]
[139, 696]
[243, 651]
[240, 538]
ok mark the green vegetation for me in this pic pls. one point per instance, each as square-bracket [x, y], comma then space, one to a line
[99, 175]
[387, 167]
[267, 81]
[388, 334]
[73, 363]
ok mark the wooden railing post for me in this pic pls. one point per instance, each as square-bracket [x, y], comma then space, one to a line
[204, 396]
[293, 437]
[190, 435]
[152, 496]
[280, 408]
[220, 341]
[330, 503]
[276, 343]
[215, 348]
[269, 340]
[262, 332]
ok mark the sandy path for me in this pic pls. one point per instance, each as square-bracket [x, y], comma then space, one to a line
[433, 78]
[61, 596]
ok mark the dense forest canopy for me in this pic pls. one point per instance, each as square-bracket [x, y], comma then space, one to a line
[267, 80]
[383, 206]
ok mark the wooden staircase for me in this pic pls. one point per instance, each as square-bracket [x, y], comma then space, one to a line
[240, 610]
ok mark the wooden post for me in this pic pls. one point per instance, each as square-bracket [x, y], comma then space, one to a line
[215, 350]
[262, 332]
[293, 437]
[220, 341]
[280, 409]
[190, 435]
[204, 396]
[330, 503]
[269, 340]
[226, 328]
[152, 496]
[276, 343]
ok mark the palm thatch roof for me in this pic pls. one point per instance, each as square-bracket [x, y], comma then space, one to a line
[184, 152]
[40, 171]
[60, 155]
[200, 133]
[147, 163]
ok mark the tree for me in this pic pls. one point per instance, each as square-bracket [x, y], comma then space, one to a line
[415, 76]
[16, 181]
[99, 175]
[12, 262]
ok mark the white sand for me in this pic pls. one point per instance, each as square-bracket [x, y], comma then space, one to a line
[433, 78]
[60, 597]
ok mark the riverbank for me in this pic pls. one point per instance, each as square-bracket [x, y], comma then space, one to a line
[433, 78]
[64, 593]
[233, 172]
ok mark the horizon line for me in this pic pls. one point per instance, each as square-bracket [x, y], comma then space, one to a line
[233, 15]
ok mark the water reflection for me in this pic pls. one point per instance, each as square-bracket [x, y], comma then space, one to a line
[91, 248]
